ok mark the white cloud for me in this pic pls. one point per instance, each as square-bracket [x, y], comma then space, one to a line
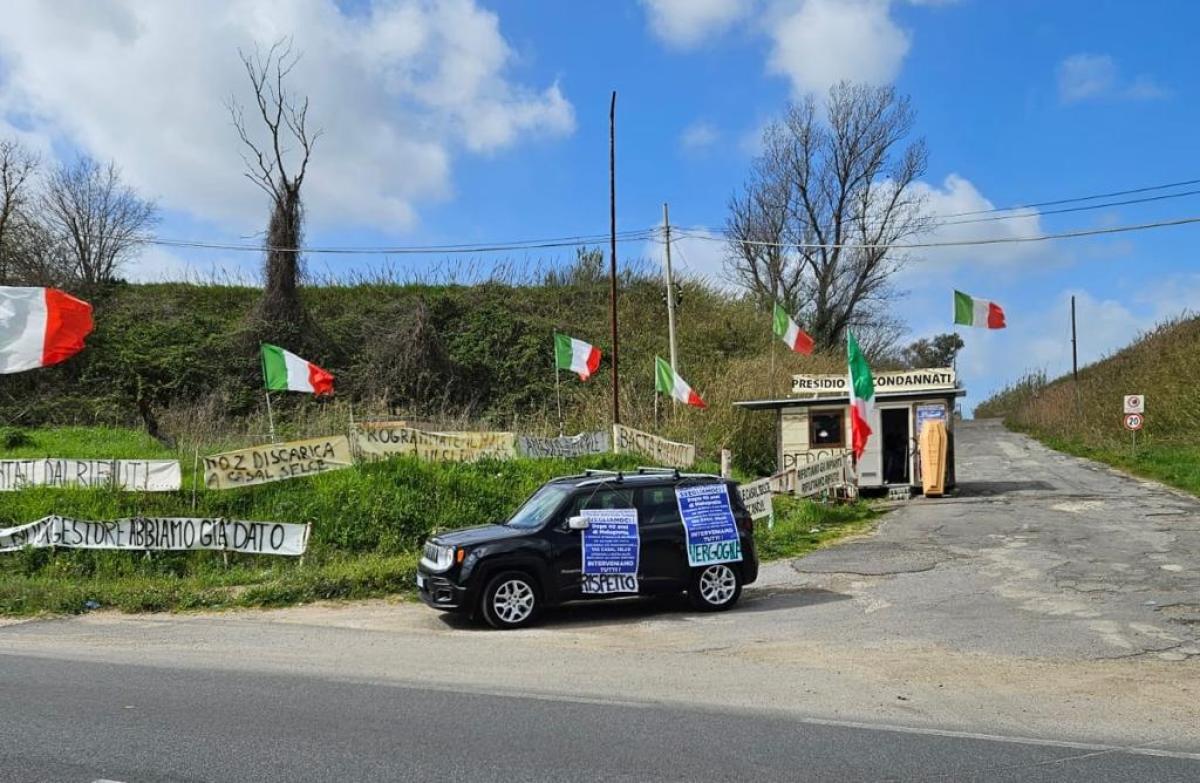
[686, 23]
[399, 87]
[1083, 77]
[698, 136]
[824, 41]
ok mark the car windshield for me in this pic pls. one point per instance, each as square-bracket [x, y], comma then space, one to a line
[539, 507]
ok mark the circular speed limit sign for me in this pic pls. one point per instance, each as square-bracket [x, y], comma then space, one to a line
[1134, 421]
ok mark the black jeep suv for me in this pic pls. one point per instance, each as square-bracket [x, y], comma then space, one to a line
[578, 537]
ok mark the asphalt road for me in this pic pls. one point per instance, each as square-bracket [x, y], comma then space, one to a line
[87, 722]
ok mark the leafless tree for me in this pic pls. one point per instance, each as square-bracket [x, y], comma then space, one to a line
[278, 166]
[17, 167]
[830, 194]
[100, 220]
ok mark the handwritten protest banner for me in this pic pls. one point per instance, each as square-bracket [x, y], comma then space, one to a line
[627, 440]
[821, 475]
[712, 534]
[276, 462]
[159, 534]
[783, 482]
[756, 497]
[611, 549]
[373, 441]
[145, 475]
[566, 446]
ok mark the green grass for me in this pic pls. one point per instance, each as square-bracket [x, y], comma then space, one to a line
[804, 525]
[368, 522]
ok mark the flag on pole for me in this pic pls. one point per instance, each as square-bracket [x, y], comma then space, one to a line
[970, 311]
[285, 371]
[575, 355]
[862, 396]
[40, 327]
[792, 335]
[668, 382]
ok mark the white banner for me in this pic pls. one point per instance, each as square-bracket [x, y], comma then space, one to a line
[372, 441]
[824, 474]
[145, 475]
[756, 497]
[627, 440]
[159, 534]
[936, 378]
[276, 462]
[566, 446]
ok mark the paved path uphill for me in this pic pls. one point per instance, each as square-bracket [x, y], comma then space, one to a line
[1050, 600]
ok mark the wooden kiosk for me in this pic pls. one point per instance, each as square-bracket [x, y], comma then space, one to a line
[814, 422]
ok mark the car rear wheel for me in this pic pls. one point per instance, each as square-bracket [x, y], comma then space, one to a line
[716, 587]
[510, 600]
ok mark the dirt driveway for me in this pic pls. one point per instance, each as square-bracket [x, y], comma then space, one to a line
[1052, 599]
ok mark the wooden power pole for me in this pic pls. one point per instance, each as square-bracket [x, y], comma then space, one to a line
[612, 269]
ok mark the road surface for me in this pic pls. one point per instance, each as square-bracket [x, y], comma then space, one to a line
[1042, 625]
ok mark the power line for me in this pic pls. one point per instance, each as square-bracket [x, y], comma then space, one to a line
[957, 243]
[1075, 199]
[640, 235]
[1163, 197]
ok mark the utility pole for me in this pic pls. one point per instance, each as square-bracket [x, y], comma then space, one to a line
[670, 288]
[1074, 344]
[612, 270]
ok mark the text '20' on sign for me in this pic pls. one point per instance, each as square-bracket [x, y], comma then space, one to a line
[1134, 421]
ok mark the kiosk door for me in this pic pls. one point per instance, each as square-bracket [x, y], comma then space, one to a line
[894, 439]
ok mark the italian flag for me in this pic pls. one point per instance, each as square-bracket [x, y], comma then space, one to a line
[970, 311]
[575, 355]
[792, 335]
[40, 327]
[668, 382]
[862, 396]
[285, 371]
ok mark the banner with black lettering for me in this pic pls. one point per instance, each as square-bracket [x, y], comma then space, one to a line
[611, 551]
[159, 534]
[627, 440]
[142, 475]
[564, 446]
[376, 440]
[276, 462]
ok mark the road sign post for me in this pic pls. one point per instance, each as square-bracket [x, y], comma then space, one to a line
[1134, 422]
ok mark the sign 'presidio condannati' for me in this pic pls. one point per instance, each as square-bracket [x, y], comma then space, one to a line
[938, 378]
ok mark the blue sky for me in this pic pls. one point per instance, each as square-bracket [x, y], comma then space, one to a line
[475, 121]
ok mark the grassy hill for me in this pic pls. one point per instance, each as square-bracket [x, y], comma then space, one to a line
[1085, 418]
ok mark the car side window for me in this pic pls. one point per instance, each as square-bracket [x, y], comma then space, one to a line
[657, 506]
[601, 499]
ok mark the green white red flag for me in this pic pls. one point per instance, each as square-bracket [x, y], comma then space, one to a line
[575, 355]
[970, 311]
[862, 396]
[40, 327]
[285, 371]
[792, 335]
[668, 382]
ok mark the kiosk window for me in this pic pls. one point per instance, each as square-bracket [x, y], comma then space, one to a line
[825, 429]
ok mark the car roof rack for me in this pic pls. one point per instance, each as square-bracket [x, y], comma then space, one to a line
[642, 470]
[590, 472]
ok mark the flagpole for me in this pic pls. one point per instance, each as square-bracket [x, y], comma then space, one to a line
[558, 392]
[270, 416]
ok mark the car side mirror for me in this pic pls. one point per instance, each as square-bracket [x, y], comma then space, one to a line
[577, 523]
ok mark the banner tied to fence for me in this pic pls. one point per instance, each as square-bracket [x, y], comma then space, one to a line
[627, 440]
[378, 440]
[820, 475]
[276, 462]
[159, 534]
[756, 497]
[144, 475]
[564, 446]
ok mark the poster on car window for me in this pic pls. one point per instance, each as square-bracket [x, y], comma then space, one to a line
[712, 534]
[611, 549]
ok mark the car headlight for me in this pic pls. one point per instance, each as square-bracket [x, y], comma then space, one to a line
[437, 557]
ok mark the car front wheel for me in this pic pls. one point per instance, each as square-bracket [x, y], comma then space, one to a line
[510, 600]
[715, 587]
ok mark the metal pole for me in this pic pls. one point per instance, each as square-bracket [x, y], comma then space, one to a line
[670, 289]
[270, 417]
[558, 396]
[612, 209]
[1074, 344]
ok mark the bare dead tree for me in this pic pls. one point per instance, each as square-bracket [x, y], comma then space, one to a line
[830, 194]
[17, 167]
[278, 167]
[100, 221]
